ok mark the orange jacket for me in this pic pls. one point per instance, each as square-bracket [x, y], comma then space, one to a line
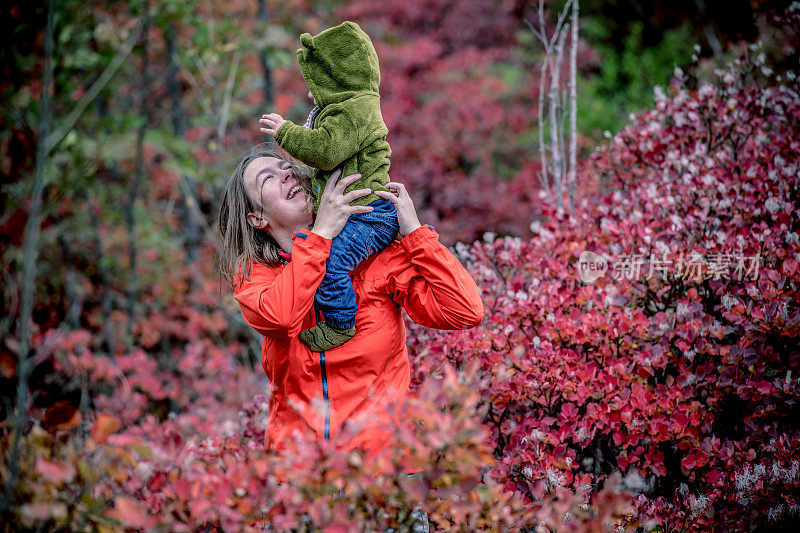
[317, 393]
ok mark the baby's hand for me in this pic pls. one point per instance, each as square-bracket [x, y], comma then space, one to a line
[273, 121]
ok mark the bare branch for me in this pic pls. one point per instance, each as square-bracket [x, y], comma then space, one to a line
[226, 103]
[193, 82]
[203, 69]
[539, 35]
[69, 122]
[545, 41]
[561, 18]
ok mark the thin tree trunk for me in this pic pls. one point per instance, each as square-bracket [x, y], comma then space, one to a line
[573, 108]
[544, 176]
[553, 174]
[138, 177]
[264, 57]
[192, 233]
[73, 296]
[555, 119]
[173, 84]
[554, 149]
[708, 29]
[562, 99]
[105, 278]
[29, 256]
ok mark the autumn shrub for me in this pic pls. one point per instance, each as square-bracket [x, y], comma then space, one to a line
[677, 368]
[208, 470]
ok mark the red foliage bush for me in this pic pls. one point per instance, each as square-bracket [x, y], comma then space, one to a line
[686, 384]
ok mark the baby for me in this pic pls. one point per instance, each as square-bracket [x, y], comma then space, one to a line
[344, 130]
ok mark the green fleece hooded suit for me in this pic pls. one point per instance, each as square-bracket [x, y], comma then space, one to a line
[340, 67]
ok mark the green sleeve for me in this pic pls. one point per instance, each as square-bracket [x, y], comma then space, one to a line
[333, 140]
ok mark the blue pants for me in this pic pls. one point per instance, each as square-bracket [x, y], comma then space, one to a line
[363, 235]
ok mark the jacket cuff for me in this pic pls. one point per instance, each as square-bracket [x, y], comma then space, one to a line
[312, 240]
[422, 233]
[281, 133]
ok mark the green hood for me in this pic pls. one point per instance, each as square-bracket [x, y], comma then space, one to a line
[339, 63]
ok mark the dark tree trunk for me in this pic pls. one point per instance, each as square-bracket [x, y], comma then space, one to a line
[30, 252]
[264, 57]
[138, 178]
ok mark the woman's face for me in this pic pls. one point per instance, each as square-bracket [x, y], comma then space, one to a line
[270, 183]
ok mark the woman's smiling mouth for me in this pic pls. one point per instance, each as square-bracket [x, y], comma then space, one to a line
[293, 192]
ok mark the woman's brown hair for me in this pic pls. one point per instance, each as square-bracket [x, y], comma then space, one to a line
[240, 243]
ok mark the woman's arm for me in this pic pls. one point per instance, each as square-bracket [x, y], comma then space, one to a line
[275, 301]
[435, 290]
[431, 284]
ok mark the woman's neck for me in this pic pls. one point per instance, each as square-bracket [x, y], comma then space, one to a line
[284, 240]
[283, 236]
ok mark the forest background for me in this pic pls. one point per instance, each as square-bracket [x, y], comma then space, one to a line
[132, 393]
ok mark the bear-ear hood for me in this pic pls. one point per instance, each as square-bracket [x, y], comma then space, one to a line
[339, 63]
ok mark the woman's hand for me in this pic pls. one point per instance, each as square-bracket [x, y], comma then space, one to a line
[406, 214]
[334, 205]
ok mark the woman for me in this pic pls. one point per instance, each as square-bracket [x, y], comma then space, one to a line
[273, 254]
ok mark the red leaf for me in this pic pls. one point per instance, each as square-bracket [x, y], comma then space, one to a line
[132, 513]
[55, 471]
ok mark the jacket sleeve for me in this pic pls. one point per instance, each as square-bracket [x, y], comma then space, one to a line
[274, 301]
[334, 139]
[435, 289]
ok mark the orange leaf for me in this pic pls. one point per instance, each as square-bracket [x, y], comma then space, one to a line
[104, 426]
[8, 366]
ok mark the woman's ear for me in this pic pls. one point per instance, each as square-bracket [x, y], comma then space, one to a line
[257, 220]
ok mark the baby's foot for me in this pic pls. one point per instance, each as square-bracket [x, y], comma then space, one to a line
[323, 337]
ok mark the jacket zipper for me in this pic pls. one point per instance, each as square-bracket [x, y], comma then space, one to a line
[324, 374]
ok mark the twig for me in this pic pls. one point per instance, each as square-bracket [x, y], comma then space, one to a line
[193, 82]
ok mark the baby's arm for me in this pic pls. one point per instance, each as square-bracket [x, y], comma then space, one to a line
[333, 139]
